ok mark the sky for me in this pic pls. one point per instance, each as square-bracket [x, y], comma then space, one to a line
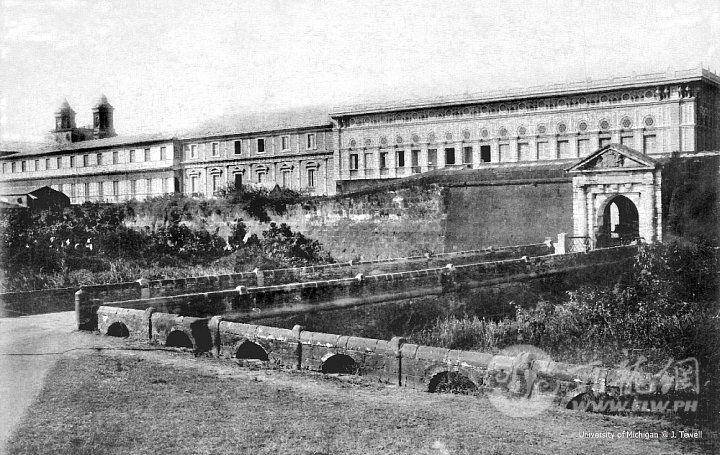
[170, 65]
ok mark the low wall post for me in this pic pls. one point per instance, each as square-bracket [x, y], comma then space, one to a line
[144, 288]
[81, 308]
[396, 343]
[561, 245]
[296, 330]
[259, 277]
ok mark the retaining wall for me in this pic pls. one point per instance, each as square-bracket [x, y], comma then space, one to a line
[391, 362]
[246, 304]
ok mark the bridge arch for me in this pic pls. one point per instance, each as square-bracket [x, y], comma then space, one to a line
[118, 329]
[339, 363]
[452, 382]
[618, 220]
[179, 339]
[250, 351]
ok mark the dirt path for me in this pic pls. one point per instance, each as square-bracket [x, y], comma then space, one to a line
[29, 347]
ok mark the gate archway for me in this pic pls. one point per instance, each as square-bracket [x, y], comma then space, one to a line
[618, 222]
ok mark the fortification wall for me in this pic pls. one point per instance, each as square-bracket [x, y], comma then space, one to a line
[506, 214]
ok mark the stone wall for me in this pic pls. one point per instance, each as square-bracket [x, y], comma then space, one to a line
[392, 362]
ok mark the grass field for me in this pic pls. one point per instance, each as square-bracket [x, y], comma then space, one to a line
[171, 403]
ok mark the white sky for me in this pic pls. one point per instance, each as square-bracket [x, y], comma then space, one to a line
[171, 64]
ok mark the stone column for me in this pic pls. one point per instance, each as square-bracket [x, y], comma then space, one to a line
[495, 150]
[459, 153]
[391, 161]
[476, 153]
[423, 159]
[441, 155]
[580, 218]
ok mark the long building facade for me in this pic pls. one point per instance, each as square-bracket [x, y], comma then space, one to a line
[609, 136]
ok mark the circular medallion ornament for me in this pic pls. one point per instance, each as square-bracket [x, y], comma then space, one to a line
[368, 142]
[583, 126]
[649, 94]
[466, 134]
[521, 106]
[522, 131]
[399, 140]
[383, 140]
[561, 127]
[582, 100]
[561, 102]
[503, 132]
[541, 129]
[353, 142]
[484, 132]
[626, 96]
[603, 98]
[484, 110]
[604, 125]
[415, 138]
[448, 136]
[649, 121]
[626, 122]
[431, 137]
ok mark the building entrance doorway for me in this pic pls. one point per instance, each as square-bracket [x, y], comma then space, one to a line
[618, 223]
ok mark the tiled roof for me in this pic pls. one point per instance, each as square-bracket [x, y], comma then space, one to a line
[590, 85]
[47, 147]
[261, 122]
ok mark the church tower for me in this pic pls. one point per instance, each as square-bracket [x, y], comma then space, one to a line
[64, 123]
[103, 119]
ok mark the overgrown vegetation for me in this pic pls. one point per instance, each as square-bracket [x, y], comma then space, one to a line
[92, 243]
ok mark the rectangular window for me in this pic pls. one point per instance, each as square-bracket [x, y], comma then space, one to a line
[260, 177]
[215, 183]
[415, 161]
[146, 156]
[101, 191]
[649, 143]
[115, 188]
[261, 145]
[543, 151]
[193, 151]
[194, 184]
[72, 190]
[164, 185]
[47, 164]
[87, 191]
[5, 168]
[563, 149]
[583, 147]
[23, 166]
[98, 159]
[215, 149]
[285, 143]
[238, 180]
[116, 157]
[604, 141]
[238, 147]
[524, 151]
[163, 153]
[86, 160]
[504, 152]
[485, 153]
[59, 162]
[148, 187]
[311, 178]
[449, 156]
[13, 167]
[37, 165]
[132, 156]
[311, 141]
[432, 158]
[467, 155]
[400, 158]
[627, 141]
[383, 160]
[354, 162]
[72, 161]
[133, 187]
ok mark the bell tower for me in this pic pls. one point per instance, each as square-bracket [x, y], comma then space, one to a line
[103, 119]
[64, 123]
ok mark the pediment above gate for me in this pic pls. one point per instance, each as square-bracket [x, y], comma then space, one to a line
[614, 157]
